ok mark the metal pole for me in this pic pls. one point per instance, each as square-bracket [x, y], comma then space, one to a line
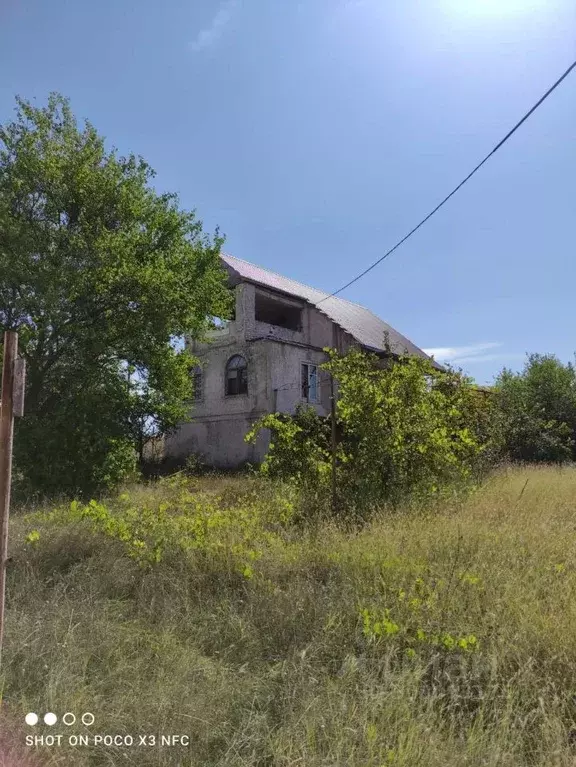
[6, 442]
[333, 419]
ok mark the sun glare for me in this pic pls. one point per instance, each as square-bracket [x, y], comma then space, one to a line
[494, 8]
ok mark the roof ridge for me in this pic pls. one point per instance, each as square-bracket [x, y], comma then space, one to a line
[276, 274]
[358, 321]
[303, 284]
[307, 287]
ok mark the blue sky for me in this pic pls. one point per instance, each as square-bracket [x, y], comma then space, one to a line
[315, 133]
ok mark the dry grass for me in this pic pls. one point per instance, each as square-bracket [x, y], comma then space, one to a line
[275, 670]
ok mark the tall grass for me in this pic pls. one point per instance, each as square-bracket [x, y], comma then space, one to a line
[435, 637]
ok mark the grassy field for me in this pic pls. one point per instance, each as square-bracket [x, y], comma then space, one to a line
[432, 638]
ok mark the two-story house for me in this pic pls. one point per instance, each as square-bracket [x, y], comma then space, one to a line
[267, 358]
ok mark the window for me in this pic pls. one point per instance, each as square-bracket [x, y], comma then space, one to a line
[275, 312]
[197, 381]
[309, 379]
[236, 375]
[219, 323]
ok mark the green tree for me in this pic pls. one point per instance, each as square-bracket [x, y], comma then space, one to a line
[538, 407]
[404, 431]
[100, 274]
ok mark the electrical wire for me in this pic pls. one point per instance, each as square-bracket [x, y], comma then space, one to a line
[460, 185]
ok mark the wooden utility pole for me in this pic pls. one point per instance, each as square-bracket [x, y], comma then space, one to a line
[11, 404]
[333, 420]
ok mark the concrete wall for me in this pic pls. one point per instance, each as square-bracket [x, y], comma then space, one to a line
[220, 422]
[218, 441]
[285, 365]
[274, 356]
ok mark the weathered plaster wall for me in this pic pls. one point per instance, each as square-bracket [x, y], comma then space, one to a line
[285, 365]
[219, 441]
[221, 421]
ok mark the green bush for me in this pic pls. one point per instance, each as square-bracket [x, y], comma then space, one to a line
[299, 452]
[404, 432]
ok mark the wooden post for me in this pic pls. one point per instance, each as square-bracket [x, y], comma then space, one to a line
[12, 403]
[333, 419]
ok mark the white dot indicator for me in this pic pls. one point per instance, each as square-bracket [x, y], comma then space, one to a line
[68, 718]
[88, 719]
[50, 719]
[31, 719]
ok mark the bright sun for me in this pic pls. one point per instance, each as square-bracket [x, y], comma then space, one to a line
[494, 7]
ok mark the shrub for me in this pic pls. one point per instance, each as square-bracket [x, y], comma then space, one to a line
[404, 432]
[299, 453]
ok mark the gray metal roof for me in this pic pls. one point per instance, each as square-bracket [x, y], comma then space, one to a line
[367, 329]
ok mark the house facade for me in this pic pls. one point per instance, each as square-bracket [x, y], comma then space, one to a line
[267, 359]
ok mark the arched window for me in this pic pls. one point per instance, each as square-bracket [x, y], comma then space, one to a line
[236, 375]
[197, 381]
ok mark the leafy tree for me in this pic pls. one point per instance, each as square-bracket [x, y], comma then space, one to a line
[404, 431]
[538, 407]
[99, 273]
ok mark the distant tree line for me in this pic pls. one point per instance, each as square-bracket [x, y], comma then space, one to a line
[538, 410]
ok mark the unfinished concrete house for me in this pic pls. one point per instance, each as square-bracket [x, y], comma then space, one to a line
[267, 359]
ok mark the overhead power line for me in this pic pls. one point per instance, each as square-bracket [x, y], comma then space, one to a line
[460, 185]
